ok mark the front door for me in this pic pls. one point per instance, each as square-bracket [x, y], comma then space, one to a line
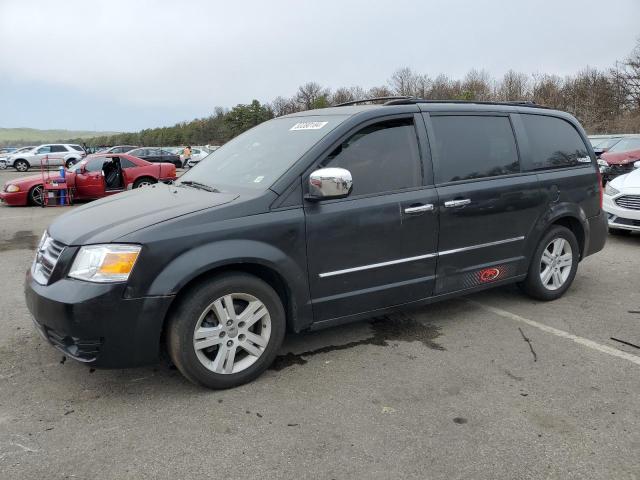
[377, 247]
[90, 179]
[487, 206]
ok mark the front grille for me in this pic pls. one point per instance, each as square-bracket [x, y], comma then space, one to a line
[82, 349]
[47, 256]
[632, 202]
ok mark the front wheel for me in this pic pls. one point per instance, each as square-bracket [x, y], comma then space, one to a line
[553, 266]
[226, 331]
[21, 165]
[36, 195]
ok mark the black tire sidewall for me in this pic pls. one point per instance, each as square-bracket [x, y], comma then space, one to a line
[533, 283]
[17, 162]
[31, 199]
[183, 321]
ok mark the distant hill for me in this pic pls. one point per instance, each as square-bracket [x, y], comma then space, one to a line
[10, 136]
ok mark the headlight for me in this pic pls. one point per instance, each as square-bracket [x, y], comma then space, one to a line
[609, 190]
[105, 263]
[12, 188]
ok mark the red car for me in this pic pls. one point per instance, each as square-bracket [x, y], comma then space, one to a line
[621, 162]
[94, 177]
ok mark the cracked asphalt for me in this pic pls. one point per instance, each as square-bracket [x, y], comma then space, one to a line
[494, 386]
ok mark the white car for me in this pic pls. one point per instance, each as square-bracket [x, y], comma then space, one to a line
[56, 154]
[4, 157]
[621, 201]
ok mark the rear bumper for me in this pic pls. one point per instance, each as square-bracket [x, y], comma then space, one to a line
[16, 198]
[94, 324]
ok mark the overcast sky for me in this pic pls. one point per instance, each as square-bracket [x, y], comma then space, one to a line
[131, 64]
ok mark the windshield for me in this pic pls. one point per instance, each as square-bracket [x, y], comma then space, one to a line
[626, 144]
[258, 157]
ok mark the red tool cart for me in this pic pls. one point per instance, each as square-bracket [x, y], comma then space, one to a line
[55, 191]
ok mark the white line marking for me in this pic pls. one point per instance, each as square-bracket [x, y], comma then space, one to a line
[560, 333]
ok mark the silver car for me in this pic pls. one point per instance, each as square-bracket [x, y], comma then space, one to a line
[51, 155]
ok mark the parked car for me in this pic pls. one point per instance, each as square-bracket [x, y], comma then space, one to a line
[59, 154]
[316, 219]
[4, 157]
[622, 202]
[602, 143]
[95, 177]
[154, 154]
[620, 158]
[197, 154]
[117, 149]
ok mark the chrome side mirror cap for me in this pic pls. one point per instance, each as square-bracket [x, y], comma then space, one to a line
[329, 183]
[636, 164]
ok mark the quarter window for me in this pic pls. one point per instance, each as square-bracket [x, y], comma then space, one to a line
[473, 146]
[554, 142]
[381, 158]
[127, 163]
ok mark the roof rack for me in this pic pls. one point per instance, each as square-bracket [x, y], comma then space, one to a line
[412, 100]
[375, 99]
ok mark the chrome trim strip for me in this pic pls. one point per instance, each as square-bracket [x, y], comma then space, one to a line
[376, 265]
[419, 257]
[482, 245]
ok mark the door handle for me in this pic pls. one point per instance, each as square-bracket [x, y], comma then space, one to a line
[419, 209]
[457, 203]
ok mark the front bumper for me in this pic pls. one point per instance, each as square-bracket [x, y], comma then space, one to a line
[95, 324]
[15, 198]
[619, 217]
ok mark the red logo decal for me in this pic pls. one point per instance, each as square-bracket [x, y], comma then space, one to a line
[489, 274]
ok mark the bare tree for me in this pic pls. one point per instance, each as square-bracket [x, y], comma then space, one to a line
[310, 94]
[403, 82]
[477, 85]
[382, 91]
[514, 86]
[347, 94]
[283, 106]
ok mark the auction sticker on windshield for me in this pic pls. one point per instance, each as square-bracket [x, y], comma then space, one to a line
[308, 126]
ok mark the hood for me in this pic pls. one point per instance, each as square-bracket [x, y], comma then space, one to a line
[108, 219]
[628, 181]
[621, 158]
[34, 179]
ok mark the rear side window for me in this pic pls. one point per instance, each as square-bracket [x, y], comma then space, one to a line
[127, 163]
[77, 147]
[473, 146]
[383, 157]
[58, 148]
[554, 142]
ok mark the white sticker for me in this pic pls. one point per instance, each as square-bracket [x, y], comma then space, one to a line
[259, 179]
[308, 126]
[583, 160]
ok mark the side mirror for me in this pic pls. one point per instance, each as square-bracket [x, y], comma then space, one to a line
[329, 183]
[636, 164]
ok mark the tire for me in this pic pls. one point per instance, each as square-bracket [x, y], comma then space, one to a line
[557, 268]
[21, 165]
[251, 348]
[619, 231]
[71, 162]
[36, 196]
[144, 182]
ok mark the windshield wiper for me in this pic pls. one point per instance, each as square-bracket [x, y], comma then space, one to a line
[201, 186]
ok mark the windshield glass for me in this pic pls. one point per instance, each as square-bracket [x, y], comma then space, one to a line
[258, 157]
[626, 144]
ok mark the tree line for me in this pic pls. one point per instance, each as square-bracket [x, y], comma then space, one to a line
[604, 100]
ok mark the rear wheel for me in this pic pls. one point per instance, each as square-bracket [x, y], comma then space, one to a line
[71, 162]
[36, 195]
[144, 182]
[21, 165]
[554, 265]
[226, 331]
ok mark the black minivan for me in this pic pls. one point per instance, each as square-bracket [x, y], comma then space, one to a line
[315, 219]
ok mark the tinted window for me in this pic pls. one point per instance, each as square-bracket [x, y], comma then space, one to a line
[77, 147]
[58, 148]
[473, 147]
[94, 165]
[554, 142]
[46, 149]
[127, 163]
[381, 158]
[141, 152]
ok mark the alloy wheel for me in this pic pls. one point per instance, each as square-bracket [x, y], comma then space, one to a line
[232, 333]
[21, 166]
[556, 263]
[37, 195]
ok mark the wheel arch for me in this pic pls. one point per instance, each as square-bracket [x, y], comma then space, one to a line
[570, 216]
